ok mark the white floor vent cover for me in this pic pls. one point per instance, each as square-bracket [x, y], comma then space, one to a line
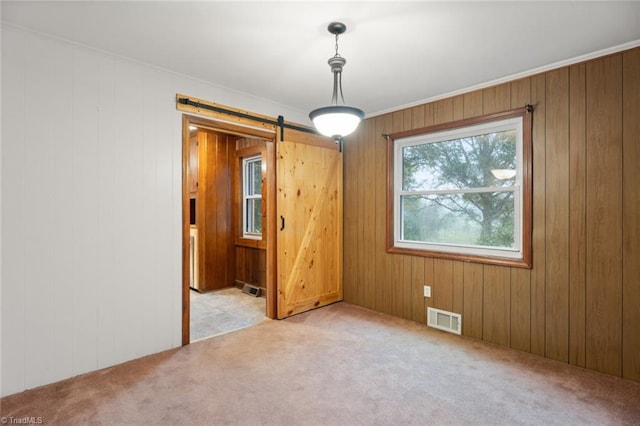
[443, 320]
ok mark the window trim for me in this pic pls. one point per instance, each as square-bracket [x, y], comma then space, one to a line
[525, 261]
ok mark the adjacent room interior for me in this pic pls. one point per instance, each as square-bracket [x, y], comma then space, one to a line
[227, 251]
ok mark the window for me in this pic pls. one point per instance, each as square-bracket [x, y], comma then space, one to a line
[251, 182]
[252, 197]
[463, 190]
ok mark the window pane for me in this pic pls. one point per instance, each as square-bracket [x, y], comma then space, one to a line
[257, 216]
[256, 177]
[472, 219]
[254, 216]
[480, 161]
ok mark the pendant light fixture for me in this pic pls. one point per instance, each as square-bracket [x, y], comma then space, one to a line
[336, 121]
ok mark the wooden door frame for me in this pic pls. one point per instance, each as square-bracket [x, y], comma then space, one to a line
[270, 279]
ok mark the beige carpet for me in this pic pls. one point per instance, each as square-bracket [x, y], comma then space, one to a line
[338, 365]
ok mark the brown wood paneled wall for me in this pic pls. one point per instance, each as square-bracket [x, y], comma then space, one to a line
[213, 210]
[251, 266]
[580, 302]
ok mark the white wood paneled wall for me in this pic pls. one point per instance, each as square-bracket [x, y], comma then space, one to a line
[91, 207]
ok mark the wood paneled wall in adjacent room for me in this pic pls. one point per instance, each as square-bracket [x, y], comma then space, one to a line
[214, 207]
[251, 266]
[580, 303]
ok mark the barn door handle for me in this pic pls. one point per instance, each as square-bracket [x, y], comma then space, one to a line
[282, 223]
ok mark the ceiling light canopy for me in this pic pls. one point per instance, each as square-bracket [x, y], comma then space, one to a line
[336, 121]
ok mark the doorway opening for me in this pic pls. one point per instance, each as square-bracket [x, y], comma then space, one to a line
[227, 282]
[221, 311]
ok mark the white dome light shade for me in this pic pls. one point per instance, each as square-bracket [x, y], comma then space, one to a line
[336, 121]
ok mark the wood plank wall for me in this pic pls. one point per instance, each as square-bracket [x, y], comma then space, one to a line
[251, 266]
[580, 303]
[91, 220]
[213, 210]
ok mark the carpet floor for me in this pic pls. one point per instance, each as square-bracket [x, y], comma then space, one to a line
[338, 365]
[222, 311]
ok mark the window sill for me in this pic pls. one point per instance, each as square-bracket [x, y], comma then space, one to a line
[251, 243]
[501, 261]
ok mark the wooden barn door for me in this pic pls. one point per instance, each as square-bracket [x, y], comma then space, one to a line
[309, 219]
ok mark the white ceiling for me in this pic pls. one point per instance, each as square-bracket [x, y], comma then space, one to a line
[398, 53]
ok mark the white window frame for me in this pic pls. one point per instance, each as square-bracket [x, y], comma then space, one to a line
[519, 255]
[246, 180]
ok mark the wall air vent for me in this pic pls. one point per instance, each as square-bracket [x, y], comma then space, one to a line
[443, 320]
